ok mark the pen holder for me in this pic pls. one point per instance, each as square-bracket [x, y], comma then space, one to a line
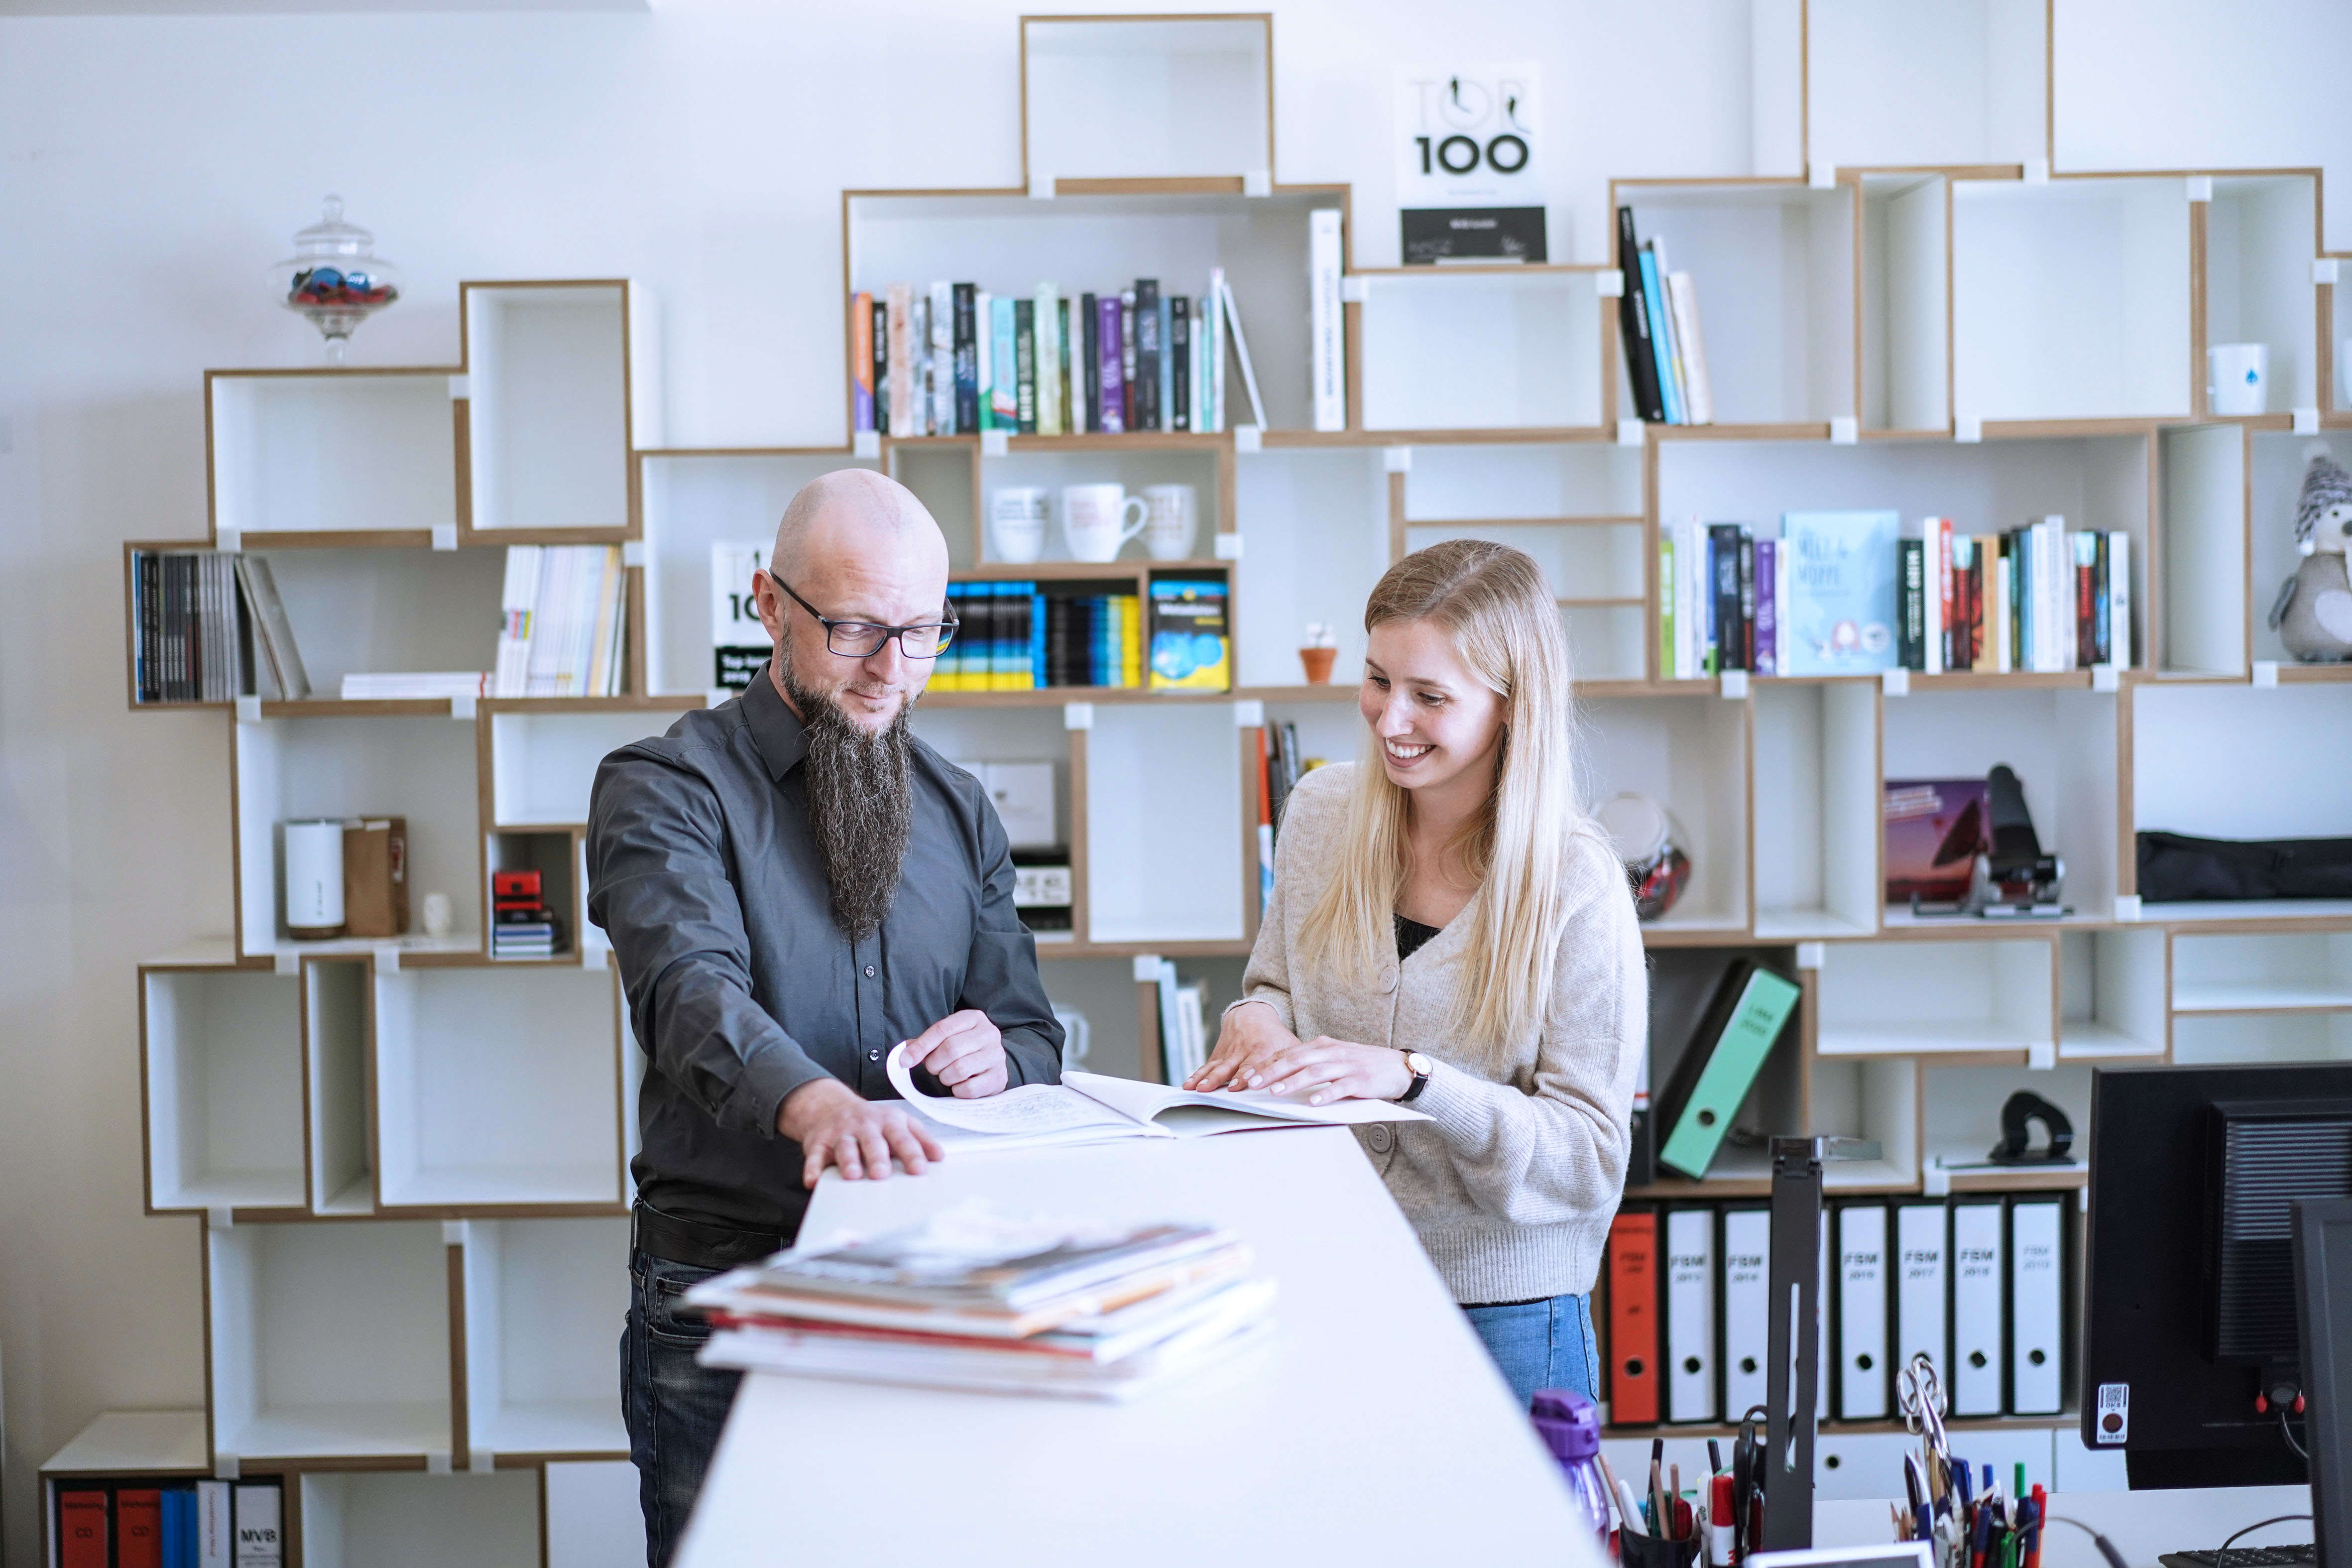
[1651, 1551]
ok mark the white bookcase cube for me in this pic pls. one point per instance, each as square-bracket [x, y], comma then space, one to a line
[1164, 841]
[336, 1025]
[2225, 1039]
[2206, 610]
[1683, 984]
[1907, 294]
[1772, 268]
[946, 479]
[972, 737]
[1874, 1100]
[1938, 996]
[329, 1340]
[543, 1298]
[332, 452]
[1050, 470]
[1904, 86]
[543, 764]
[693, 500]
[2070, 299]
[2265, 972]
[2232, 762]
[593, 1518]
[368, 611]
[1316, 543]
[2111, 996]
[498, 1086]
[2277, 465]
[420, 768]
[548, 380]
[1573, 481]
[1813, 799]
[2261, 233]
[392, 1521]
[1677, 751]
[1960, 1110]
[224, 1068]
[1192, 96]
[1483, 350]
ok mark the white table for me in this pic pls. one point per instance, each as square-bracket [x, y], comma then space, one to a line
[1372, 1429]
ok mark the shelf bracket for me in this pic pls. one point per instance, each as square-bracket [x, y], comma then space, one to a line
[1077, 715]
[1249, 713]
[995, 443]
[2126, 908]
[1735, 685]
[1896, 682]
[1147, 969]
[228, 541]
[225, 1467]
[2265, 675]
[1610, 285]
[1630, 433]
[865, 444]
[1228, 547]
[445, 536]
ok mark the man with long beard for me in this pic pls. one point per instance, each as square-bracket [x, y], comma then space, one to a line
[794, 884]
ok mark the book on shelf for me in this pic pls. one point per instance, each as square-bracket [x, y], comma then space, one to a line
[1045, 360]
[1658, 324]
[1327, 320]
[1183, 1024]
[2038, 598]
[198, 620]
[564, 632]
[521, 923]
[1934, 829]
[400, 685]
[1192, 642]
[1839, 614]
[979, 1298]
[143, 1522]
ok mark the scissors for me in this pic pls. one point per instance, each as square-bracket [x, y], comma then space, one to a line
[1920, 1394]
[1750, 1461]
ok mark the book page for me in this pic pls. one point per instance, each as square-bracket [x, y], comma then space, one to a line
[1143, 1101]
[1029, 1110]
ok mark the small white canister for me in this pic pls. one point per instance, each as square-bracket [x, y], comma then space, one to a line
[314, 878]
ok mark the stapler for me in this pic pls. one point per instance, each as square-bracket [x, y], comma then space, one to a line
[2015, 879]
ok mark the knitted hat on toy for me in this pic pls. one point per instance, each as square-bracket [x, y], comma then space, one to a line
[2325, 484]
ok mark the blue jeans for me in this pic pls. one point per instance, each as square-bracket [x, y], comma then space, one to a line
[1541, 1344]
[674, 1407]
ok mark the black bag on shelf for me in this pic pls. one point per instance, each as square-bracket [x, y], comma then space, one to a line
[2175, 868]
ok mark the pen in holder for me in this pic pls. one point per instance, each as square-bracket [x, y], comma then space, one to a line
[1654, 1551]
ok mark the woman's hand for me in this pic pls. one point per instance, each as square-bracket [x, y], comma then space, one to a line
[1324, 1069]
[1247, 1038]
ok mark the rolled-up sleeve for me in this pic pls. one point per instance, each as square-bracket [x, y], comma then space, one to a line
[1000, 973]
[657, 876]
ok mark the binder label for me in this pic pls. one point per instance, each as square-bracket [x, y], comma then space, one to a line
[2114, 1414]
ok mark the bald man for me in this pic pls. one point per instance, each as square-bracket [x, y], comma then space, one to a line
[794, 884]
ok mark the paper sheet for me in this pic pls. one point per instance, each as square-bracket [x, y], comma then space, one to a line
[1032, 1109]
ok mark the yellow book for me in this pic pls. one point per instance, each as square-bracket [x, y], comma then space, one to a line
[1130, 640]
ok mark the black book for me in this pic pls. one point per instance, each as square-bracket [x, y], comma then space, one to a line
[144, 602]
[1179, 345]
[882, 365]
[1634, 322]
[1147, 354]
[1723, 578]
[1910, 589]
[1747, 599]
[1024, 361]
[1089, 417]
[967, 360]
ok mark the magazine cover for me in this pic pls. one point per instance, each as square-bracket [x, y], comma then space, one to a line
[1935, 830]
[1190, 647]
[1840, 617]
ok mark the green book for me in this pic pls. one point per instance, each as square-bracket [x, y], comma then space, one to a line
[1750, 1009]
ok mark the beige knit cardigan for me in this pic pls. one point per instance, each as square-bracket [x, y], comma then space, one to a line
[1512, 1183]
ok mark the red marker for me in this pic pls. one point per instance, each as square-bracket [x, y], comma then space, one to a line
[1720, 1531]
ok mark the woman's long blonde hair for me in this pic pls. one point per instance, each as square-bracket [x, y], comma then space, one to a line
[1494, 604]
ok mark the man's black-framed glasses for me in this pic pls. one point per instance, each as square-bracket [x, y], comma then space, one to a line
[864, 639]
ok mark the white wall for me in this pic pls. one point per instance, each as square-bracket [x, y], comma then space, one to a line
[151, 168]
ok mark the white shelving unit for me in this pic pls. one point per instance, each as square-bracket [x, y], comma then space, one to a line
[541, 1303]
[224, 1088]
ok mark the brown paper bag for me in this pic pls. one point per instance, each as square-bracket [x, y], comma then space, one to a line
[375, 876]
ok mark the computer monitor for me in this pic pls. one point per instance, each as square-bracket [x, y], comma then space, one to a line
[2323, 1288]
[2191, 1332]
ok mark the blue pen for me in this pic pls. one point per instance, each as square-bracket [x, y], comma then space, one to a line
[1960, 1474]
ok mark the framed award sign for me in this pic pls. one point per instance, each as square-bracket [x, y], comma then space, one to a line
[1470, 170]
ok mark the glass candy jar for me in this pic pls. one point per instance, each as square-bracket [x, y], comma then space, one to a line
[1645, 836]
[334, 279]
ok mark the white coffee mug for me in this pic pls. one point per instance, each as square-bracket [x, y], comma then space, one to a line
[1168, 522]
[2238, 378]
[1016, 523]
[1095, 520]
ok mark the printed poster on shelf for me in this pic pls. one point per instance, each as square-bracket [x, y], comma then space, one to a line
[739, 643]
[1470, 181]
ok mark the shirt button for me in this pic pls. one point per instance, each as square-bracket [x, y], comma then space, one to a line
[873, 1055]
[870, 972]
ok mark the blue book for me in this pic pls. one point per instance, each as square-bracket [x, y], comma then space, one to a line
[1167, 365]
[1003, 393]
[1656, 297]
[1839, 616]
[179, 1541]
[1037, 681]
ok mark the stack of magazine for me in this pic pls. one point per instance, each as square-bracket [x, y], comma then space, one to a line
[981, 1298]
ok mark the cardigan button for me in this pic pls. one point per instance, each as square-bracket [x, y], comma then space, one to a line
[1388, 982]
[1380, 1138]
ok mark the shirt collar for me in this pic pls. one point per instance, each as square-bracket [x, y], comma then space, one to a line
[778, 733]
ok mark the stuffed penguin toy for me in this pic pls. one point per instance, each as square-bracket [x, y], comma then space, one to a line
[2314, 614]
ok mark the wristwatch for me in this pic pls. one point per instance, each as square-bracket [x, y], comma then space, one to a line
[1417, 1064]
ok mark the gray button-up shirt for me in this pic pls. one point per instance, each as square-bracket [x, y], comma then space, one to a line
[742, 988]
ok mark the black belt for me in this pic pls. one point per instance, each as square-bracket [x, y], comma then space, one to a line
[696, 1244]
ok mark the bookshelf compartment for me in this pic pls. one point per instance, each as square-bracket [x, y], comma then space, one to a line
[946, 479]
[497, 1087]
[971, 736]
[1483, 351]
[1940, 996]
[422, 769]
[2273, 972]
[335, 1048]
[1190, 97]
[1683, 982]
[2111, 996]
[1913, 85]
[1317, 541]
[1907, 296]
[559, 859]
[2070, 300]
[1606, 642]
[1584, 563]
[1676, 751]
[1133, 467]
[2205, 613]
[1877, 1101]
[2261, 234]
[1583, 481]
[543, 1297]
[693, 500]
[329, 1340]
[2226, 1039]
[1960, 1108]
[542, 764]
[1007, 244]
[1164, 840]
[592, 1517]
[224, 1071]
[1773, 266]
[2063, 745]
[548, 371]
[2278, 460]
[332, 452]
[1813, 799]
[388, 1521]
[362, 611]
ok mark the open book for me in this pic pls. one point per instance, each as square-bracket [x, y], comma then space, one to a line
[1089, 1108]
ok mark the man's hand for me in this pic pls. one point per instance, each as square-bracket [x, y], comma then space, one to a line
[835, 1125]
[965, 1052]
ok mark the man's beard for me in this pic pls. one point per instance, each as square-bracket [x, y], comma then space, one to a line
[860, 805]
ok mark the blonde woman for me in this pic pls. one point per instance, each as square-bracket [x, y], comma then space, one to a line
[1447, 930]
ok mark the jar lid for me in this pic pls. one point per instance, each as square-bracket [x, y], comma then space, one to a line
[331, 235]
[1636, 825]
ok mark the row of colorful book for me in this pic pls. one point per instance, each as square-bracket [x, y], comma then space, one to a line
[1854, 592]
[956, 359]
[1657, 315]
[144, 1523]
[1025, 636]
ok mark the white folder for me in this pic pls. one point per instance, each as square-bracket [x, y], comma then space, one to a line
[2036, 1289]
[1746, 1308]
[1690, 1315]
[1979, 1296]
[1862, 1312]
[1921, 1247]
[1825, 1372]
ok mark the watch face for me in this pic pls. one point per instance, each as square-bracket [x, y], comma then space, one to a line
[1418, 1063]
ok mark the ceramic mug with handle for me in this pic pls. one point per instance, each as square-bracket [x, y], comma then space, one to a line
[1169, 522]
[1016, 523]
[1095, 521]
